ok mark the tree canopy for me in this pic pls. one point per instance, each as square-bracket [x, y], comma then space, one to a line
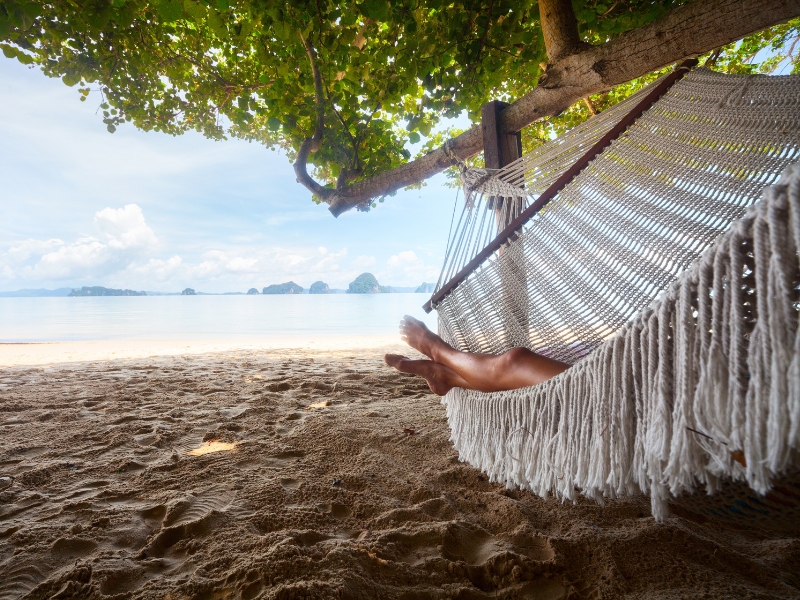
[355, 81]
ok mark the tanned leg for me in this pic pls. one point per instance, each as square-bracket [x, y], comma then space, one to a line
[514, 369]
[440, 379]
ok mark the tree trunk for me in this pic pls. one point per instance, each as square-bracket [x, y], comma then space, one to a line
[687, 31]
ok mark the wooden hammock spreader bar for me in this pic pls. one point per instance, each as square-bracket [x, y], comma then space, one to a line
[649, 99]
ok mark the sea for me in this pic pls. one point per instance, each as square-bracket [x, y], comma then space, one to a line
[252, 319]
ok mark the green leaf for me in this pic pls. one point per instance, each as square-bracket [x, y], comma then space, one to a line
[111, 128]
[194, 9]
[170, 10]
[222, 5]
[273, 124]
[376, 9]
[216, 25]
[28, 12]
[413, 137]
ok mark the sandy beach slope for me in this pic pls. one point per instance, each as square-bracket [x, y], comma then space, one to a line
[332, 477]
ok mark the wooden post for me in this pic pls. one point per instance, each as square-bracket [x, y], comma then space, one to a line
[500, 149]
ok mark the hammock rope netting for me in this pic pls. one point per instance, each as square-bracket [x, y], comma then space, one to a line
[660, 276]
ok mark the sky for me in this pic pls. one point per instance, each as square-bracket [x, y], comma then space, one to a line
[147, 211]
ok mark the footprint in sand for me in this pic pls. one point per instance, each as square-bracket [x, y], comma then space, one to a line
[283, 386]
[154, 513]
[434, 509]
[121, 581]
[194, 508]
[334, 509]
[147, 439]
[471, 544]
[289, 484]
[288, 455]
[454, 541]
[18, 579]
[191, 516]
[535, 547]
[67, 549]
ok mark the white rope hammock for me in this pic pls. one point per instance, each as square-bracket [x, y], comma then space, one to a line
[698, 386]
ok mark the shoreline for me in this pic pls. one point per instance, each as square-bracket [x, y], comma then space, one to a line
[39, 353]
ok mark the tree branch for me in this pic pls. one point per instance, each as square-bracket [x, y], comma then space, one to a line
[312, 144]
[319, 95]
[560, 29]
[689, 30]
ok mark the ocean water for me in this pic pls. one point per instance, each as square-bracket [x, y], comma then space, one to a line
[247, 318]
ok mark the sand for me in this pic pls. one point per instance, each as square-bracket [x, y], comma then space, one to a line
[300, 473]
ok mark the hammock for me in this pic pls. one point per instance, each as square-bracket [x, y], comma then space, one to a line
[657, 273]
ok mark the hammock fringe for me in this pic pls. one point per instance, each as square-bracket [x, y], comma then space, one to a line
[703, 385]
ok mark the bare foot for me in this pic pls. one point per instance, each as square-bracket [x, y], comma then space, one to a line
[417, 335]
[440, 379]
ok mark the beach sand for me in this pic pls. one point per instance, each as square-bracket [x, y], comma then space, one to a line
[297, 473]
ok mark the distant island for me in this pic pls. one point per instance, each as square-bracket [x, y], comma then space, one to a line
[290, 287]
[367, 284]
[319, 287]
[104, 291]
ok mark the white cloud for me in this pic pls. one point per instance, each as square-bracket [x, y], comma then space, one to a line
[159, 270]
[74, 261]
[122, 252]
[123, 237]
[125, 228]
[408, 257]
[264, 266]
[24, 250]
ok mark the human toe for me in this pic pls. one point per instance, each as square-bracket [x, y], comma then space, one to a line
[393, 360]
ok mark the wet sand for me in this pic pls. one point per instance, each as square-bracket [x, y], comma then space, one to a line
[297, 473]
